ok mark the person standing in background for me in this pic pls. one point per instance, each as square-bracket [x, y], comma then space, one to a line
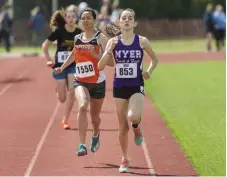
[116, 10]
[6, 27]
[104, 18]
[219, 19]
[36, 24]
[107, 5]
[209, 26]
[81, 7]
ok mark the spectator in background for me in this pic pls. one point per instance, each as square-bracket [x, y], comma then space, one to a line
[115, 11]
[6, 27]
[107, 5]
[81, 7]
[104, 15]
[36, 24]
[219, 19]
[209, 26]
[103, 18]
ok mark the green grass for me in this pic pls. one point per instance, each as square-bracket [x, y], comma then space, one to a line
[191, 99]
[178, 46]
[160, 46]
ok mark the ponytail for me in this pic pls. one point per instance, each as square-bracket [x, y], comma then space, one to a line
[57, 20]
[112, 30]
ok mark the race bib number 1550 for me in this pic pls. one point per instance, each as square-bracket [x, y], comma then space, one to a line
[85, 69]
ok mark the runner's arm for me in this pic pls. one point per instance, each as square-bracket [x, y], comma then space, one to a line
[70, 58]
[68, 61]
[103, 41]
[108, 55]
[54, 35]
[145, 44]
[45, 48]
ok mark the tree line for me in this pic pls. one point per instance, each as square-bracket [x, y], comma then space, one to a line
[145, 9]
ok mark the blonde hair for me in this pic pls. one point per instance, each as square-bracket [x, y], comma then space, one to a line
[72, 8]
[58, 20]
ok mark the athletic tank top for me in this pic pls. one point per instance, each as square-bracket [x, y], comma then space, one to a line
[65, 43]
[129, 66]
[86, 64]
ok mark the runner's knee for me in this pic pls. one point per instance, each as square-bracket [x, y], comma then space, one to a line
[71, 95]
[95, 119]
[134, 116]
[83, 106]
[61, 98]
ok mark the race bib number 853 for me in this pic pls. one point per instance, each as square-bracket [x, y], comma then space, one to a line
[62, 56]
[126, 70]
[85, 69]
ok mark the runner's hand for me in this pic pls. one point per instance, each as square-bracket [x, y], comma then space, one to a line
[57, 70]
[146, 75]
[50, 64]
[113, 45]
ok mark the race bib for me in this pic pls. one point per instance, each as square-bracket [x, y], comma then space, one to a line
[85, 69]
[126, 70]
[62, 56]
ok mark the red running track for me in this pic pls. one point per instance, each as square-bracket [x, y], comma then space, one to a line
[33, 143]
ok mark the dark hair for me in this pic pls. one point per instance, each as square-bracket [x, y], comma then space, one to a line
[92, 11]
[130, 10]
[57, 20]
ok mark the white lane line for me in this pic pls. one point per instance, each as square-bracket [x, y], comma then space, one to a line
[41, 142]
[148, 158]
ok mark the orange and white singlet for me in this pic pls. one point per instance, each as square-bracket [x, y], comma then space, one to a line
[86, 64]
